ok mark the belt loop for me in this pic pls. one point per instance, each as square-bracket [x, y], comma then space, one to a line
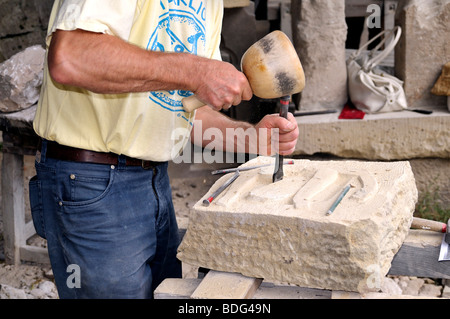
[42, 151]
[122, 162]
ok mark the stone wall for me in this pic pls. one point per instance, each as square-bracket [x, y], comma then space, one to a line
[23, 23]
[423, 49]
[319, 33]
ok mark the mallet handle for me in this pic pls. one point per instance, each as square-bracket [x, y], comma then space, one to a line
[425, 224]
[191, 103]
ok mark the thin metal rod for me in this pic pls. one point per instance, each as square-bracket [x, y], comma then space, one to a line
[339, 199]
[284, 110]
[241, 169]
[208, 201]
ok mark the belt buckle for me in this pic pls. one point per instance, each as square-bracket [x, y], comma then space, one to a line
[147, 165]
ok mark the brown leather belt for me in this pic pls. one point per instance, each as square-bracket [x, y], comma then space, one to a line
[66, 153]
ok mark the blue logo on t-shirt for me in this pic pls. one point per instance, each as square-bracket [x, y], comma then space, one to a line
[181, 25]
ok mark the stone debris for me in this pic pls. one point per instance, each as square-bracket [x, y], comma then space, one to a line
[424, 287]
[281, 232]
[26, 282]
[390, 286]
[8, 292]
[44, 290]
[446, 291]
[21, 78]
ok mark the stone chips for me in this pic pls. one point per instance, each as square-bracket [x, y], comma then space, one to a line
[281, 232]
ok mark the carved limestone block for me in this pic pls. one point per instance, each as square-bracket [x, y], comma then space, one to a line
[281, 231]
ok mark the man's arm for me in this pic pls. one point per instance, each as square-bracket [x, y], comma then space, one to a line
[103, 63]
[272, 134]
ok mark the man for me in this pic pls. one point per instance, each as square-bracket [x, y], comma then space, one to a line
[115, 76]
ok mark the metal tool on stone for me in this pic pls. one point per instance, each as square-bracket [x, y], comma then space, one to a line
[272, 68]
[241, 169]
[214, 195]
[339, 199]
[284, 110]
[432, 225]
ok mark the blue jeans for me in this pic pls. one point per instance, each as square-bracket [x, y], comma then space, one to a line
[111, 230]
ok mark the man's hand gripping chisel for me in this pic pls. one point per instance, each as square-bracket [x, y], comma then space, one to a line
[284, 109]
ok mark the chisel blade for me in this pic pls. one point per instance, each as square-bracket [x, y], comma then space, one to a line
[278, 174]
[284, 109]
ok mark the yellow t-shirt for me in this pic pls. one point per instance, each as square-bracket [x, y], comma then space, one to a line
[150, 125]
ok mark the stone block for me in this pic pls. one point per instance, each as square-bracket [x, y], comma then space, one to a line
[389, 136]
[280, 231]
[423, 49]
[176, 288]
[21, 78]
[319, 33]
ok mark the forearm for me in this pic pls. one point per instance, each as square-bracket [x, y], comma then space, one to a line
[216, 130]
[106, 64]
[273, 134]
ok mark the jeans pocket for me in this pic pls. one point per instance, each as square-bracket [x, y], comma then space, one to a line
[37, 212]
[81, 189]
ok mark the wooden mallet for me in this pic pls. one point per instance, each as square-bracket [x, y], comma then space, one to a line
[274, 70]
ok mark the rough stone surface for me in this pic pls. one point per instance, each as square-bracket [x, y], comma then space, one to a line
[430, 290]
[423, 49]
[411, 286]
[424, 140]
[280, 231]
[21, 78]
[8, 292]
[26, 282]
[442, 85]
[446, 292]
[391, 136]
[319, 33]
[23, 23]
[433, 180]
[389, 286]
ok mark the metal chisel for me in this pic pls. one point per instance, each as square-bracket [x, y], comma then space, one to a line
[241, 169]
[208, 201]
[284, 110]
